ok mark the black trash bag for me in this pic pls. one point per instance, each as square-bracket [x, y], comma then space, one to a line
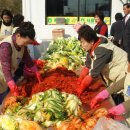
[118, 98]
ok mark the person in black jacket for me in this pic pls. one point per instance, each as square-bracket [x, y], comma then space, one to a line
[18, 19]
[125, 41]
[116, 29]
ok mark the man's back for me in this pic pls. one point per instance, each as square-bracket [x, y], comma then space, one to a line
[126, 36]
[116, 30]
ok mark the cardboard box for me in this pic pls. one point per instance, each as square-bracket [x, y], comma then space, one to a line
[58, 33]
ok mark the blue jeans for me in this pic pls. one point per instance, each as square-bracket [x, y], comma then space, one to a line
[3, 95]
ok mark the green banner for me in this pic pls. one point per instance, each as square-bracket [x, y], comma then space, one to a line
[90, 20]
[74, 20]
[68, 20]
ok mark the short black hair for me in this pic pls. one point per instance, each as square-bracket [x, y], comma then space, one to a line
[26, 29]
[6, 12]
[87, 33]
[127, 5]
[100, 15]
[118, 16]
[17, 20]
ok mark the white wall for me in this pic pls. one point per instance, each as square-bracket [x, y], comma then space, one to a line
[117, 6]
[34, 11]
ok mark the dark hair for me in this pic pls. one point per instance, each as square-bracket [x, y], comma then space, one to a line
[87, 33]
[26, 29]
[17, 20]
[6, 12]
[100, 15]
[127, 5]
[118, 16]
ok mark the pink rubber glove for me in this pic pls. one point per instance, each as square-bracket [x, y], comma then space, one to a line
[77, 26]
[84, 84]
[13, 87]
[117, 110]
[28, 72]
[83, 73]
[99, 98]
[33, 69]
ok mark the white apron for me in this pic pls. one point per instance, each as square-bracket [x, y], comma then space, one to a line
[127, 94]
[16, 58]
[5, 31]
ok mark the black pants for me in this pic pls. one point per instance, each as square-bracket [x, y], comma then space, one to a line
[3, 95]
[19, 72]
[118, 98]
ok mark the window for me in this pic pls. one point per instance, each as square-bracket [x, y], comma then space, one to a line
[65, 2]
[72, 11]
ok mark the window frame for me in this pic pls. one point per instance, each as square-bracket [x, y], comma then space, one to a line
[78, 17]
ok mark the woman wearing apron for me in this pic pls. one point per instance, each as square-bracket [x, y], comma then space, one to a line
[13, 50]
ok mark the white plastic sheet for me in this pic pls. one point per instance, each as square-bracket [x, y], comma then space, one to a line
[109, 124]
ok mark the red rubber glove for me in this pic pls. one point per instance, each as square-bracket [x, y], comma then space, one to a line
[39, 63]
[84, 84]
[99, 98]
[13, 88]
[117, 110]
[38, 76]
[83, 73]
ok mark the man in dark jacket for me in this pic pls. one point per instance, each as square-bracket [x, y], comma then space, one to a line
[125, 41]
[116, 29]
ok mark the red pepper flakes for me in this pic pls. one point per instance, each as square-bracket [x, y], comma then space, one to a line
[62, 79]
